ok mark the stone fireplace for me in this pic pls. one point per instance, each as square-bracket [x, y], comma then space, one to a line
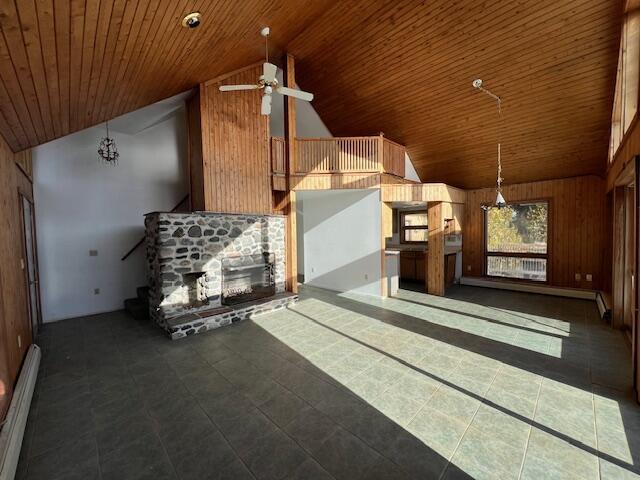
[206, 269]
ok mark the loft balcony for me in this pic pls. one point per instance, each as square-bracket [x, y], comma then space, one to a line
[339, 162]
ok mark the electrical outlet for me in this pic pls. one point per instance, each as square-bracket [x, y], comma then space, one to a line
[19, 341]
[468, 268]
[578, 277]
[366, 276]
[93, 253]
[589, 277]
[96, 291]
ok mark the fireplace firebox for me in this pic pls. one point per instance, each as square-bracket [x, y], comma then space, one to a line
[247, 278]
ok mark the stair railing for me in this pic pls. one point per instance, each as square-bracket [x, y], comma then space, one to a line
[141, 241]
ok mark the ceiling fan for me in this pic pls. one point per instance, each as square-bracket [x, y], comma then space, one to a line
[268, 82]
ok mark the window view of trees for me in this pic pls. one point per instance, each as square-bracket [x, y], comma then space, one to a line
[517, 228]
[517, 241]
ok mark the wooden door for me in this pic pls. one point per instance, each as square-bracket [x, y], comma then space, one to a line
[31, 265]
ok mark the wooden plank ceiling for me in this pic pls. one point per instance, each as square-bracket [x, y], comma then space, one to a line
[69, 64]
[403, 67]
[406, 67]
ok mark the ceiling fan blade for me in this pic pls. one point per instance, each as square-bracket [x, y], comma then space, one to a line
[266, 104]
[232, 88]
[306, 96]
[269, 72]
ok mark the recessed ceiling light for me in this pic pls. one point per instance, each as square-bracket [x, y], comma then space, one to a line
[192, 20]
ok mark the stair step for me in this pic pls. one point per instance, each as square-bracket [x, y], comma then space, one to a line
[143, 293]
[139, 309]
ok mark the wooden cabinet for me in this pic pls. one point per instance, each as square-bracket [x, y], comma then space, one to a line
[407, 265]
[413, 266]
[449, 269]
[421, 259]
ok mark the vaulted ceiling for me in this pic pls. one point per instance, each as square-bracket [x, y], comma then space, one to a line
[406, 68]
[403, 67]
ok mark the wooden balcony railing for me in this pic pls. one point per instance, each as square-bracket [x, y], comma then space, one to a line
[341, 155]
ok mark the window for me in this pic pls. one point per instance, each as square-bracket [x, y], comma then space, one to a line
[625, 104]
[516, 241]
[413, 227]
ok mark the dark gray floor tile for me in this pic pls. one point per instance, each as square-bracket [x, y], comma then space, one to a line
[226, 408]
[72, 460]
[309, 470]
[118, 435]
[61, 379]
[236, 470]
[186, 428]
[126, 390]
[51, 434]
[311, 430]
[64, 392]
[284, 407]
[245, 432]
[116, 411]
[203, 459]
[143, 459]
[274, 456]
[346, 457]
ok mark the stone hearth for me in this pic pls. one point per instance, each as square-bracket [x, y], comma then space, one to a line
[185, 256]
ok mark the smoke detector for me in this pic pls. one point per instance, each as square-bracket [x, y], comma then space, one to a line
[192, 20]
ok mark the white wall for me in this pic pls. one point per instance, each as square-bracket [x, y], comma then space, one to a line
[342, 239]
[83, 205]
[308, 122]
[409, 171]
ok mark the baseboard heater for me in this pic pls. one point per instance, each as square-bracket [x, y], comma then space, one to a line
[603, 306]
[14, 425]
[530, 288]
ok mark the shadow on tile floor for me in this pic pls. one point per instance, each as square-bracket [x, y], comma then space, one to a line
[338, 387]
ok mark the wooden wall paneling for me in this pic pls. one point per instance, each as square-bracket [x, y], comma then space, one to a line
[422, 192]
[335, 181]
[196, 166]
[290, 138]
[576, 223]
[25, 162]
[435, 251]
[236, 149]
[14, 320]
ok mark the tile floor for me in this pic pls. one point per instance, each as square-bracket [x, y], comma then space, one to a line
[481, 384]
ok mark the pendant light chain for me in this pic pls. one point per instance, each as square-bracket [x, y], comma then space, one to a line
[499, 179]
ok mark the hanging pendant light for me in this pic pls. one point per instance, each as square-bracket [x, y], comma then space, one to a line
[107, 150]
[500, 201]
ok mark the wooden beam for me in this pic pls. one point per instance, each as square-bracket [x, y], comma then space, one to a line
[635, 332]
[290, 200]
[435, 253]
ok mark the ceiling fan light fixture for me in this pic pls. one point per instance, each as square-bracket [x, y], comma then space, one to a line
[192, 20]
